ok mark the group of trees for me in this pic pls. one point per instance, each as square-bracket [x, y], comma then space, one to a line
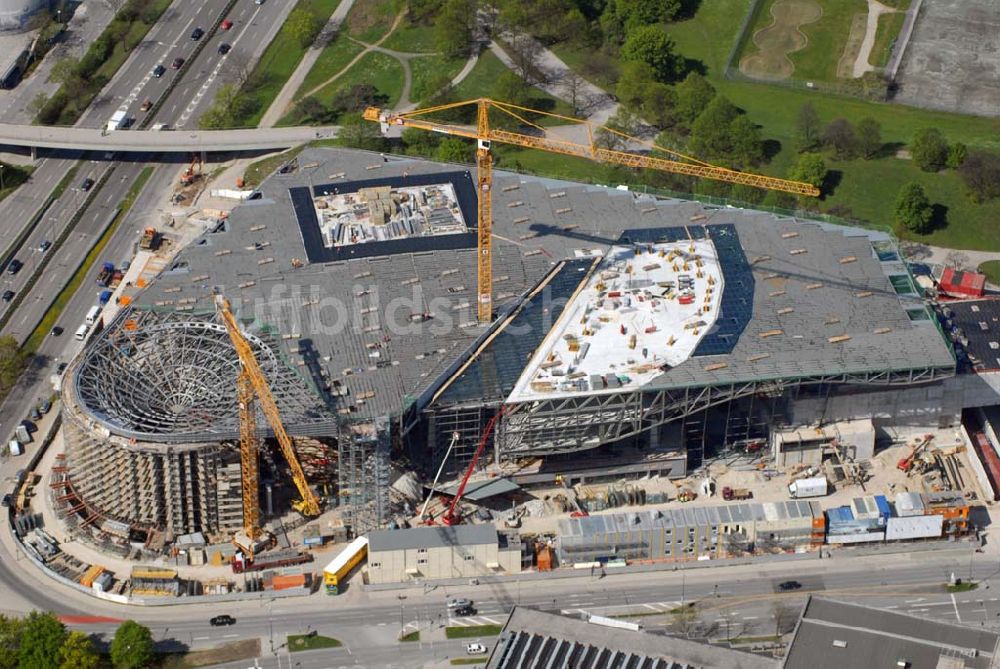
[41, 641]
[846, 140]
[81, 79]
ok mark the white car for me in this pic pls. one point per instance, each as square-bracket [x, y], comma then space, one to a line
[459, 603]
[475, 649]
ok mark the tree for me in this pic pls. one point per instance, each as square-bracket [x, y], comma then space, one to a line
[12, 362]
[981, 174]
[454, 150]
[132, 647]
[869, 138]
[42, 636]
[686, 620]
[810, 168]
[360, 134]
[10, 640]
[623, 122]
[303, 26]
[576, 89]
[64, 69]
[635, 77]
[693, 95]
[525, 54]
[650, 44]
[807, 127]
[913, 209]
[957, 153]
[420, 142]
[454, 27]
[746, 145]
[839, 136]
[711, 138]
[929, 149]
[355, 98]
[78, 652]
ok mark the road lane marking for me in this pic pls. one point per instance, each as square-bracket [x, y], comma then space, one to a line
[955, 604]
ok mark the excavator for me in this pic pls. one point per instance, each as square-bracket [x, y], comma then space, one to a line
[252, 388]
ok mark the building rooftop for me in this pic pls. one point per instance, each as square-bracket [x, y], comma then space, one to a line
[834, 635]
[976, 323]
[377, 328]
[536, 640]
[432, 537]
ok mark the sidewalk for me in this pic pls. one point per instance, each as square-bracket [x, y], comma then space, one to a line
[286, 95]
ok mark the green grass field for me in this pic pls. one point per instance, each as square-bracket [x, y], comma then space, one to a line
[481, 82]
[825, 37]
[991, 268]
[889, 26]
[381, 71]
[428, 71]
[297, 642]
[370, 20]
[411, 38]
[472, 631]
[410, 636]
[332, 60]
[279, 61]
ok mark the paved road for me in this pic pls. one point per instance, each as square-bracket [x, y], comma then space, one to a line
[913, 582]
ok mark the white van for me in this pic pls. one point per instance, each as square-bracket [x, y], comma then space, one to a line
[92, 315]
[81, 332]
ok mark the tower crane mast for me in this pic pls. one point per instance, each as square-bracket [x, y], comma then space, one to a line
[252, 387]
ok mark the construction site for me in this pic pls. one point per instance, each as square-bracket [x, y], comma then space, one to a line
[366, 343]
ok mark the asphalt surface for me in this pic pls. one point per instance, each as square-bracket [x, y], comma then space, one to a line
[745, 598]
[253, 28]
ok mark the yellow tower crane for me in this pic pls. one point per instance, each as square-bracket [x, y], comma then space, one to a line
[252, 387]
[485, 134]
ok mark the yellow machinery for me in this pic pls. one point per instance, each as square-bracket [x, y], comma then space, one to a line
[252, 387]
[485, 134]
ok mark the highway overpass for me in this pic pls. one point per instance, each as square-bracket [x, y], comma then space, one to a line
[144, 141]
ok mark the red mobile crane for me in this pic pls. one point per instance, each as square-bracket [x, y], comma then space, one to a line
[450, 517]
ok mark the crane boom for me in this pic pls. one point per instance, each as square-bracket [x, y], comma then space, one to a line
[485, 135]
[252, 378]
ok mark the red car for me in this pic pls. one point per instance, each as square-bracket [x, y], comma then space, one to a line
[177, 64]
[226, 25]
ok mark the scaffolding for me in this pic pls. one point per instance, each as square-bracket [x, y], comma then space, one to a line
[364, 470]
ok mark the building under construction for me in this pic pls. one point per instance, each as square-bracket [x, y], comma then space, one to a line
[631, 335]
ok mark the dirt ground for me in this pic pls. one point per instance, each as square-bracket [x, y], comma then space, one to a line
[952, 61]
[779, 39]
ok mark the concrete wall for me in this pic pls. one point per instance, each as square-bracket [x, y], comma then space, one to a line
[441, 562]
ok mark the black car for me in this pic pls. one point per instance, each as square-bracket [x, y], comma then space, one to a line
[44, 246]
[159, 71]
[467, 610]
[789, 585]
[197, 34]
[87, 184]
[62, 366]
[56, 331]
[7, 500]
[14, 267]
[8, 295]
[177, 64]
[222, 621]
[224, 49]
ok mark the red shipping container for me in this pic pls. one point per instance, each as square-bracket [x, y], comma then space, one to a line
[962, 284]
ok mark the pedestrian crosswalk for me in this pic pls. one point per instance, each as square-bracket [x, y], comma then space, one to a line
[473, 621]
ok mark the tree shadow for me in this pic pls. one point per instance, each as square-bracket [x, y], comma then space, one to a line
[830, 183]
[687, 10]
[772, 148]
[693, 65]
[889, 149]
[939, 217]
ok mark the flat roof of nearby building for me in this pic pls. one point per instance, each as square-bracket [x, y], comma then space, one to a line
[834, 635]
[688, 516]
[381, 334]
[431, 537]
[534, 639]
[978, 321]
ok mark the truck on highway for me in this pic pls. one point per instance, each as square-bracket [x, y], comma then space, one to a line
[81, 332]
[118, 120]
[104, 297]
[92, 314]
[811, 487]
